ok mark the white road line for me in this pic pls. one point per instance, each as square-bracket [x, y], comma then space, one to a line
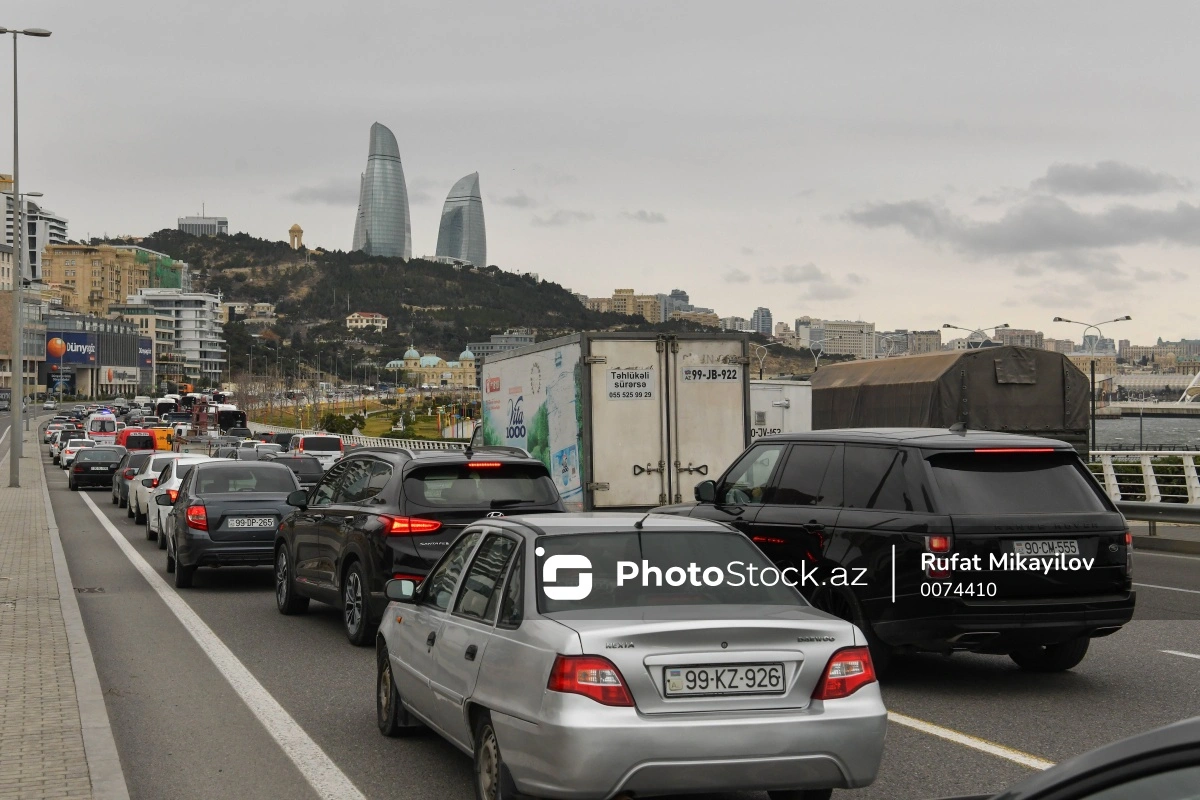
[1168, 588]
[1180, 653]
[318, 769]
[1164, 555]
[974, 742]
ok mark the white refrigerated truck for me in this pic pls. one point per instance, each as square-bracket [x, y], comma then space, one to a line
[780, 407]
[622, 420]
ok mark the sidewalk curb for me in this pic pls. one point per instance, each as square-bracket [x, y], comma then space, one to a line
[100, 749]
[1164, 544]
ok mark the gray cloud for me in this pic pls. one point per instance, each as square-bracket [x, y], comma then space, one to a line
[1179, 275]
[518, 200]
[1038, 225]
[641, 215]
[828, 291]
[563, 217]
[736, 276]
[333, 192]
[855, 278]
[747, 251]
[794, 274]
[1107, 177]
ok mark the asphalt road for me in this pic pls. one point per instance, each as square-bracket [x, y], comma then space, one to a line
[182, 729]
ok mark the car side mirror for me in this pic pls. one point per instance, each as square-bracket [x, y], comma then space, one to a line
[148, 482]
[706, 492]
[298, 498]
[401, 590]
[162, 500]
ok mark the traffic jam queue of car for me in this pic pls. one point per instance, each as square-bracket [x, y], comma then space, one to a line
[574, 649]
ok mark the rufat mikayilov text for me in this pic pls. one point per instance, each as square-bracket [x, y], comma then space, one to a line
[1006, 562]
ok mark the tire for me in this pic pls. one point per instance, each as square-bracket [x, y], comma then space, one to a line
[71, 485]
[150, 535]
[139, 516]
[114, 499]
[492, 778]
[801, 794]
[183, 576]
[286, 599]
[162, 539]
[843, 605]
[129, 507]
[356, 611]
[390, 714]
[122, 502]
[170, 559]
[1052, 657]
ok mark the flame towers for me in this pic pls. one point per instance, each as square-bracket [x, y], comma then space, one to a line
[461, 234]
[383, 227]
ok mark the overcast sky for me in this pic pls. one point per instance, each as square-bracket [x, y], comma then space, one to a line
[907, 163]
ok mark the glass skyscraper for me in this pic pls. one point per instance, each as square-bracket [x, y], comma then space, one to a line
[461, 234]
[383, 227]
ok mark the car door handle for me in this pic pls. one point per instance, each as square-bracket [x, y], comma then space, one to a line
[431, 638]
[318, 517]
[470, 654]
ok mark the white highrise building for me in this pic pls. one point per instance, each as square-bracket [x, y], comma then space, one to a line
[44, 227]
[199, 337]
[840, 337]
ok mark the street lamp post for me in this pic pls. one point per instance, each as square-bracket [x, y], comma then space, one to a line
[1096, 327]
[16, 354]
[819, 351]
[760, 352]
[889, 342]
[981, 331]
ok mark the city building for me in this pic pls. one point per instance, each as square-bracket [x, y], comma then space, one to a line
[783, 331]
[761, 321]
[361, 320]
[44, 228]
[1106, 364]
[837, 337]
[199, 338]
[156, 347]
[34, 346]
[891, 343]
[1064, 346]
[924, 342]
[92, 356]
[383, 226]
[646, 306]
[432, 370]
[499, 343]
[296, 237]
[699, 317]
[461, 234]
[1020, 337]
[6, 266]
[93, 277]
[602, 305]
[733, 324]
[1097, 344]
[204, 226]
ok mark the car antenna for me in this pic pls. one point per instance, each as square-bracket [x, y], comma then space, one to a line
[640, 522]
[959, 427]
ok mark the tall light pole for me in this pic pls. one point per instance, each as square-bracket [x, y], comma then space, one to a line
[981, 331]
[820, 350]
[889, 342]
[1096, 327]
[17, 350]
[760, 352]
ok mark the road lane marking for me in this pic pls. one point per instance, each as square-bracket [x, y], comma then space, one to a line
[318, 769]
[1168, 588]
[1163, 555]
[1180, 653]
[974, 742]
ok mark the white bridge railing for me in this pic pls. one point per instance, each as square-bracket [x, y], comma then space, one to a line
[1148, 476]
[364, 441]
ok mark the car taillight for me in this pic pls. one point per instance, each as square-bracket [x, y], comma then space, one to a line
[77, 468]
[172, 495]
[154, 483]
[483, 465]
[590, 676]
[197, 517]
[1128, 553]
[1128, 539]
[940, 545]
[408, 526]
[848, 670]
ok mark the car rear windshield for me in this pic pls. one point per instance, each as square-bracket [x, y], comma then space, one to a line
[159, 463]
[102, 425]
[719, 560]
[322, 443]
[248, 478]
[99, 455]
[139, 440]
[304, 467]
[461, 485]
[1014, 483]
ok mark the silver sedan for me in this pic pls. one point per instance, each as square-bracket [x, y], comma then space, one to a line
[598, 655]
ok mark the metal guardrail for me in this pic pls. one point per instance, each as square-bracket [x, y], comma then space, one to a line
[364, 441]
[1151, 485]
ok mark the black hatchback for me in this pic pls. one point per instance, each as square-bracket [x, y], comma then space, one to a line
[935, 540]
[387, 513]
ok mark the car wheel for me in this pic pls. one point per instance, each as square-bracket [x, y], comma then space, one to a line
[492, 778]
[150, 535]
[286, 599]
[129, 507]
[801, 794]
[162, 535]
[170, 559]
[183, 576]
[843, 605]
[354, 606]
[139, 516]
[122, 502]
[114, 499]
[71, 485]
[1052, 657]
[390, 713]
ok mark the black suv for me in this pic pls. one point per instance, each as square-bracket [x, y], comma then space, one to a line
[383, 513]
[935, 540]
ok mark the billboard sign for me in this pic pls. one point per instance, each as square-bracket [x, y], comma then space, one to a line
[145, 352]
[71, 347]
[116, 375]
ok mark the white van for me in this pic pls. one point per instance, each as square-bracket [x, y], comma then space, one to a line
[101, 427]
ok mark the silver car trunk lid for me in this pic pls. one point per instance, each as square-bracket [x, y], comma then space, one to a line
[645, 643]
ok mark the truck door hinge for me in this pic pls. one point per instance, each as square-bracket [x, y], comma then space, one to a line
[743, 359]
[597, 487]
[662, 498]
[596, 360]
[638, 469]
[660, 346]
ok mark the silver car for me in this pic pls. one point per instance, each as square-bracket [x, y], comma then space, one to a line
[599, 655]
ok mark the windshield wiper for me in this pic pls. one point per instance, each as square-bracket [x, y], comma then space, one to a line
[512, 501]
